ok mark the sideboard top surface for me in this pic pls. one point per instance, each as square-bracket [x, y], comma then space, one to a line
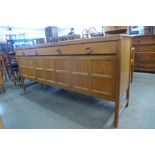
[78, 41]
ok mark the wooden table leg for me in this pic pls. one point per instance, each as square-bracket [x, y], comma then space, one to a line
[127, 97]
[116, 115]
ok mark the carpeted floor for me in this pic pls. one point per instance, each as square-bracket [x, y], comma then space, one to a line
[48, 107]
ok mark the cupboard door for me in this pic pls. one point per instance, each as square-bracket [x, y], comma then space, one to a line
[62, 71]
[145, 61]
[80, 72]
[103, 75]
[39, 68]
[27, 67]
[49, 69]
[94, 74]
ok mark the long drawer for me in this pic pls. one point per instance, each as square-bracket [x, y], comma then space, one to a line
[89, 48]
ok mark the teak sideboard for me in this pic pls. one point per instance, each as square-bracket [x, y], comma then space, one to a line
[97, 66]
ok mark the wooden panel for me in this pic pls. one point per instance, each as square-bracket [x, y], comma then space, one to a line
[62, 78]
[49, 69]
[62, 64]
[39, 63]
[79, 65]
[102, 66]
[23, 70]
[102, 86]
[146, 48]
[144, 53]
[48, 63]
[103, 75]
[28, 72]
[81, 82]
[39, 74]
[29, 61]
[145, 60]
[62, 71]
[80, 73]
[50, 76]
[125, 65]
[22, 61]
[144, 40]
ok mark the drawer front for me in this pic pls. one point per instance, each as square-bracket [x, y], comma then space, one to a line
[145, 61]
[101, 48]
[146, 48]
[89, 48]
[144, 40]
[20, 53]
[47, 51]
[28, 52]
[38, 51]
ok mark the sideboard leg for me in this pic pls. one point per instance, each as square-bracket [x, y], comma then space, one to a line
[127, 97]
[23, 84]
[116, 115]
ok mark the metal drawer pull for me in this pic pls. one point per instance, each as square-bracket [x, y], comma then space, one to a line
[36, 52]
[59, 51]
[88, 50]
[23, 53]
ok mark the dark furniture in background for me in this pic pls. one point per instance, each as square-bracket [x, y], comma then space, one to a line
[2, 83]
[144, 46]
[51, 33]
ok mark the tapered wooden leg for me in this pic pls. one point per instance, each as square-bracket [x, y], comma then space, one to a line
[116, 115]
[127, 97]
[22, 83]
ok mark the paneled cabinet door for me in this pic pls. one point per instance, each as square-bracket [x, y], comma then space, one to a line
[62, 71]
[103, 75]
[39, 68]
[94, 74]
[27, 67]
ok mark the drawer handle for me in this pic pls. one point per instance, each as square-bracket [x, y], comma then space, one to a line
[36, 52]
[133, 48]
[88, 50]
[23, 53]
[59, 51]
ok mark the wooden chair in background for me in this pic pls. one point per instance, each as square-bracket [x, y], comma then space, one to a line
[11, 67]
[2, 83]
